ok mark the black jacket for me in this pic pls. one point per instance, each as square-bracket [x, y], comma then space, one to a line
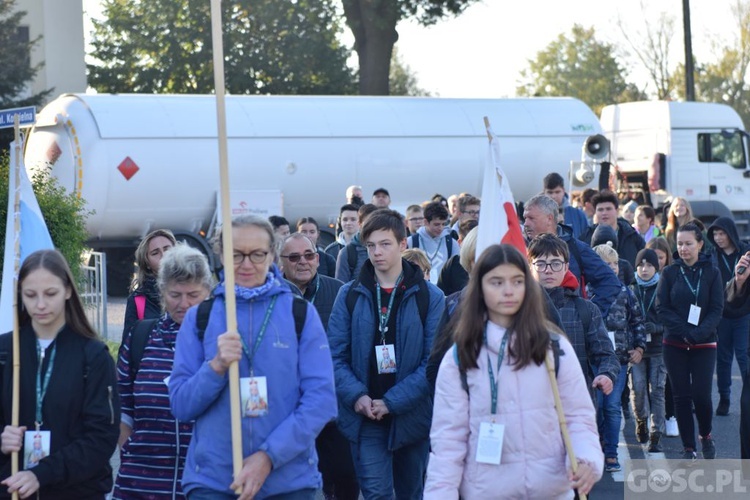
[674, 298]
[629, 242]
[727, 262]
[81, 409]
[453, 277]
[321, 292]
[646, 296]
[326, 264]
[152, 309]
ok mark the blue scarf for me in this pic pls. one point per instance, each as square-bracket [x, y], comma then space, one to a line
[653, 281]
[273, 279]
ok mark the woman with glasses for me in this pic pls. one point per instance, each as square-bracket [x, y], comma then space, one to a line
[292, 371]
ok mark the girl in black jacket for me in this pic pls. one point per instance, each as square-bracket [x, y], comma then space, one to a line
[69, 409]
[689, 302]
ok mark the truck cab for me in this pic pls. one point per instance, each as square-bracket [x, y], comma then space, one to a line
[696, 150]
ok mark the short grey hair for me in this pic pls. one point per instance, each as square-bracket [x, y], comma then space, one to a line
[245, 221]
[184, 264]
[543, 203]
[298, 236]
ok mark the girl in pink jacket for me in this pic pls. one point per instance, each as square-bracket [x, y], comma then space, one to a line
[504, 440]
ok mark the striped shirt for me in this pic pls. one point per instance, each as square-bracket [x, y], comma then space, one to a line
[153, 458]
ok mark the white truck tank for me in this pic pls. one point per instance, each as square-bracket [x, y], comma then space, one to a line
[148, 161]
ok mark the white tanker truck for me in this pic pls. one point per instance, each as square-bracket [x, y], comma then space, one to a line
[149, 161]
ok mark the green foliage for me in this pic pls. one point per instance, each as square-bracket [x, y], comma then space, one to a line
[579, 66]
[113, 347]
[16, 70]
[403, 80]
[63, 212]
[270, 47]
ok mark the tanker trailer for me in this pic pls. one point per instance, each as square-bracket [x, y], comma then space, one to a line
[151, 161]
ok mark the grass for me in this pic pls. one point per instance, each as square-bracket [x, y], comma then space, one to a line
[113, 348]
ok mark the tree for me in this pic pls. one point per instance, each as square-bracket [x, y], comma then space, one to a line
[402, 80]
[16, 71]
[64, 213]
[580, 67]
[373, 23]
[724, 80]
[271, 47]
[651, 46]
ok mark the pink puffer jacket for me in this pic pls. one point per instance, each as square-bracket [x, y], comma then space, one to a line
[534, 462]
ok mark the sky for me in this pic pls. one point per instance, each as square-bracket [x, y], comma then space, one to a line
[482, 52]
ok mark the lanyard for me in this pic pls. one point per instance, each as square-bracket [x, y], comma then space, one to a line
[41, 388]
[650, 303]
[261, 333]
[431, 258]
[726, 263]
[696, 290]
[494, 381]
[384, 317]
[317, 287]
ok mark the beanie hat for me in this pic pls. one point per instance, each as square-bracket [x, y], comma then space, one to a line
[649, 256]
[602, 235]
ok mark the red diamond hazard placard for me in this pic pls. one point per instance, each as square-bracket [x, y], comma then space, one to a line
[128, 168]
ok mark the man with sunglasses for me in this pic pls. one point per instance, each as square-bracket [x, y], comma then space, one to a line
[299, 263]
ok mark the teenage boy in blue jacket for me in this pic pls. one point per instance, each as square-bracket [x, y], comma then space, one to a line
[385, 410]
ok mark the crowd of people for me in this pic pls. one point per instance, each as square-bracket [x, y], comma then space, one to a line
[393, 362]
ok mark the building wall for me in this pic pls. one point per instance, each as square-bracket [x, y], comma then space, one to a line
[61, 48]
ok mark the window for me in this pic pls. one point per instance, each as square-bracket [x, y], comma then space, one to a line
[723, 147]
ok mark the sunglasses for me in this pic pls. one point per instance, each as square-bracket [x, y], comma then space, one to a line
[295, 257]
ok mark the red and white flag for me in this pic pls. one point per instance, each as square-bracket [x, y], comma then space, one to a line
[499, 221]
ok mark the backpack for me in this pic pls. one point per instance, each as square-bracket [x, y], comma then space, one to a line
[448, 243]
[584, 313]
[423, 300]
[556, 352]
[143, 329]
[351, 258]
[140, 306]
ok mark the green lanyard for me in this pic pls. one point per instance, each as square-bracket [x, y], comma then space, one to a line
[317, 287]
[697, 290]
[646, 308]
[261, 333]
[726, 263]
[493, 381]
[384, 317]
[41, 388]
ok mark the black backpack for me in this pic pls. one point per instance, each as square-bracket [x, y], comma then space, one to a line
[143, 329]
[448, 243]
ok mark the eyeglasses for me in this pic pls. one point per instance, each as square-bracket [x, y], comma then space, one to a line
[256, 257]
[416, 219]
[473, 213]
[555, 265]
[295, 257]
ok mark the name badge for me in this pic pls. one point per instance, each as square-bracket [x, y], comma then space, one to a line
[36, 446]
[695, 314]
[611, 336]
[490, 443]
[386, 356]
[254, 396]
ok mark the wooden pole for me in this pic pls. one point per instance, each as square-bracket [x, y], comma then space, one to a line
[16, 404]
[226, 222]
[561, 419]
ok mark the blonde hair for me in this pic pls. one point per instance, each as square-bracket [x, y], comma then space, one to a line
[419, 257]
[606, 252]
[469, 249]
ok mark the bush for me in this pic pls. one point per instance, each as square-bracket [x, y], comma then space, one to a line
[64, 213]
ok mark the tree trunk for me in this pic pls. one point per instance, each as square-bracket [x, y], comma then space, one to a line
[373, 23]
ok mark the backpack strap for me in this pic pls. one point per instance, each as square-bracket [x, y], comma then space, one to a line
[299, 311]
[140, 306]
[461, 371]
[138, 341]
[415, 240]
[351, 257]
[449, 245]
[584, 313]
[351, 297]
[201, 318]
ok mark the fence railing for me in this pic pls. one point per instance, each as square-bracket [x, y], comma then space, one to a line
[94, 291]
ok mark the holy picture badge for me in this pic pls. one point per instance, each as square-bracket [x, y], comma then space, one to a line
[386, 356]
[490, 443]
[36, 446]
[254, 396]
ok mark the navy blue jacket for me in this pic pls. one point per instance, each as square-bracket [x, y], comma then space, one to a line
[351, 337]
[321, 292]
[727, 262]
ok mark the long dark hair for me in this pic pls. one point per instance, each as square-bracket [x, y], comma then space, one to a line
[55, 263]
[529, 329]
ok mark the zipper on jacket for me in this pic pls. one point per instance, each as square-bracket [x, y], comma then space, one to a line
[111, 408]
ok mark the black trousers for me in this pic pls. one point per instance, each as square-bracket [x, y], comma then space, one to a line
[691, 372]
[335, 464]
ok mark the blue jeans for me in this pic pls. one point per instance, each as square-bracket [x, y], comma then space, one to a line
[381, 471]
[649, 379]
[733, 341]
[609, 415]
[208, 494]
